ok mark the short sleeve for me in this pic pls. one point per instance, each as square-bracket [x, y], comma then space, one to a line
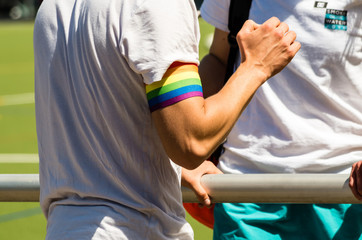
[159, 33]
[216, 13]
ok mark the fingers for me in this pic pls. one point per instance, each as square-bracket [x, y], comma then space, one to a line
[202, 196]
[358, 177]
[290, 37]
[279, 27]
[272, 22]
[282, 28]
[210, 168]
[352, 184]
[192, 180]
[355, 180]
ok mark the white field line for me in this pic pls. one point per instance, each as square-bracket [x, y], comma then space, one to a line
[19, 158]
[17, 99]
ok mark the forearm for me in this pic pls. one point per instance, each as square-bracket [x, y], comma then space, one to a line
[207, 121]
[191, 129]
[222, 110]
[225, 107]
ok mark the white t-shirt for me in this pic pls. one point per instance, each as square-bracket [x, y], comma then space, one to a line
[98, 147]
[308, 118]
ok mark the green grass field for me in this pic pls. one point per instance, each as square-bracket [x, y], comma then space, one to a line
[17, 127]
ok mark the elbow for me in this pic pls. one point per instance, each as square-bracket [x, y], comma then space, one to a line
[189, 162]
[194, 155]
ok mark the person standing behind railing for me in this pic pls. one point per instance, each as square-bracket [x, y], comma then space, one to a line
[307, 119]
[117, 95]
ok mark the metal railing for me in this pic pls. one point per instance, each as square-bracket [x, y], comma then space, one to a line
[257, 188]
[19, 187]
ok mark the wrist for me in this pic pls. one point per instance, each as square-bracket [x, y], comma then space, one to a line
[256, 73]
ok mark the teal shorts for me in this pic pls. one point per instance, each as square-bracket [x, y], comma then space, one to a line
[287, 221]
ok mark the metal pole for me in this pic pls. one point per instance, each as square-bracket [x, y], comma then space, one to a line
[19, 187]
[257, 188]
[277, 188]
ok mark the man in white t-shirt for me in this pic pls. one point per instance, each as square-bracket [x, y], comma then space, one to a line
[307, 119]
[117, 95]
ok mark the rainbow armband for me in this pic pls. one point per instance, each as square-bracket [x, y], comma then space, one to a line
[181, 81]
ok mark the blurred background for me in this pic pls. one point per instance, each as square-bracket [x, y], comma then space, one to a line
[18, 9]
[18, 145]
[26, 9]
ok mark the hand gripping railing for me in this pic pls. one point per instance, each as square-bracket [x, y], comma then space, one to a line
[256, 188]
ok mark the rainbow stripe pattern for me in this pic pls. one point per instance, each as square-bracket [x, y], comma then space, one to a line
[181, 81]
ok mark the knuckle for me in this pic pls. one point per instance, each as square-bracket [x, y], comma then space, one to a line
[285, 25]
[284, 44]
[239, 35]
[290, 53]
[248, 21]
[278, 33]
[275, 19]
[268, 26]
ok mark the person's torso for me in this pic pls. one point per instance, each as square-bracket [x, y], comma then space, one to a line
[97, 143]
[308, 118]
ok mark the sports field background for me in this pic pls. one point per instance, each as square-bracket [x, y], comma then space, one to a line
[17, 127]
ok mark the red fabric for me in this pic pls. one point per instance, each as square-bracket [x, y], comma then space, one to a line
[204, 215]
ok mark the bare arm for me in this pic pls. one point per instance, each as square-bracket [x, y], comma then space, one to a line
[212, 71]
[190, 130]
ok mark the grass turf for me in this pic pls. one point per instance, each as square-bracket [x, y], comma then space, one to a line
[17, 128]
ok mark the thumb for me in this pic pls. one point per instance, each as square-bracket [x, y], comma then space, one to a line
[248, 27]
